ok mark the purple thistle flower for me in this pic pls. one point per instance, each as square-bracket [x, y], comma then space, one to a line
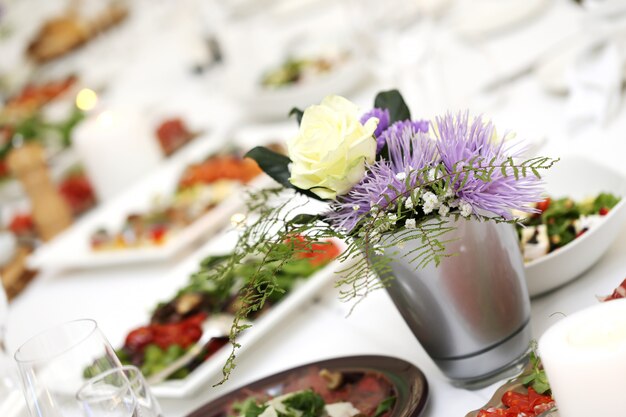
[383, 120]
[397, 129]
[458, 140]
[410, 151]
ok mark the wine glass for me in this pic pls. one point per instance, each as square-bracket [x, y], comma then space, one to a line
[108, 395]
[55, 364]
[10, 397]
[118, 392]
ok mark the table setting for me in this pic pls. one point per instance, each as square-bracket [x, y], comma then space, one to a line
[312, 209]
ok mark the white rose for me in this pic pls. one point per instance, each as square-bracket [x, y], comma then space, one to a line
[330, 151]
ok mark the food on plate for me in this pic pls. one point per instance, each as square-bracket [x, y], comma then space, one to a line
[517, 404]
[22, 119]
[63, 34]
[77, 191]
[619, 292]
[201, 187]
[74, 188]
[559, 222]
[176, 324]
[172, 135]
[299, 70]
[22, 225]
[529, 395]
[322, 393]
[33, 97]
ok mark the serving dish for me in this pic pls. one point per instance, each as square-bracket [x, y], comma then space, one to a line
[578, 178]
[409, 383]
[72, 248]
[514, 385]
[263, 102]
[209, 372]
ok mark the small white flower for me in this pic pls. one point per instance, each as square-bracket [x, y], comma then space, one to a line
[448, 193]
[393, 218]
[430, 202]
[444, 210]
[408, 203]
[401, 176]
[433, 175]
[410, 224]
[374, 209]
[355, 207]
[465, 207]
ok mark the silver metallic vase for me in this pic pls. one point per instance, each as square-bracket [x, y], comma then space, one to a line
[471, 313]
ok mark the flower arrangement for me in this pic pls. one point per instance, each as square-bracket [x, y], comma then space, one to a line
[384, 179]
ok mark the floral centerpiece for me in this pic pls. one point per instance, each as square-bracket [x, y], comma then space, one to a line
[385, 179]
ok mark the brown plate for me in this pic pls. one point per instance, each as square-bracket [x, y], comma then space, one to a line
[409, 383]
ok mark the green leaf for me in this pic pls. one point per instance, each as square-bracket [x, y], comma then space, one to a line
[310, 403]
[249, 408]
[298, 113]
[302, 219]
[276, 166]
[384, 406]
[272, 163]
[392, 100]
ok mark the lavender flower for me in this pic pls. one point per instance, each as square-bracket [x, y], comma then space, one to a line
[383, 119]
[399, 128]
[409, 152]
[458, 141]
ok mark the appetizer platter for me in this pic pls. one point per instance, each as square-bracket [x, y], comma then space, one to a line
[577, 243]
[296, 70]
[161, 215]
[69, 31]
[304, 75]
[369, 386]
[560, 221]
[193, 305]
[526, 395]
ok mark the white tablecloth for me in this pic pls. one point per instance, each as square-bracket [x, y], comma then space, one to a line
[115, 297]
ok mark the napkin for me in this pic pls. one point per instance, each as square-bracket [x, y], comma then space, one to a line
[595, 84]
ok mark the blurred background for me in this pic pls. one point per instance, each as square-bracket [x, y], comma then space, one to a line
[105, 104]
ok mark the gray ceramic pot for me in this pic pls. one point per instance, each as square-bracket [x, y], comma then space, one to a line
[471, 313]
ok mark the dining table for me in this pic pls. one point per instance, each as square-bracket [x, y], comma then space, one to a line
[506, 90]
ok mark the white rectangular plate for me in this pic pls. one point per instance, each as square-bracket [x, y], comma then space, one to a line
[210, 372]
[72, 249]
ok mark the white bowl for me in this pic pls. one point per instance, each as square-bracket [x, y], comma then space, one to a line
[578, 178]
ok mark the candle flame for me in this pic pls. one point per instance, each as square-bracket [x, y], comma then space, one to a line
[86, 99]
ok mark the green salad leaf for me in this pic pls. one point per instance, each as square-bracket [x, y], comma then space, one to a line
[308, 402]
[537, 378]
[384, 406]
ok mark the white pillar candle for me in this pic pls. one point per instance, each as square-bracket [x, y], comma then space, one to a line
[584, 356]
[117, 148]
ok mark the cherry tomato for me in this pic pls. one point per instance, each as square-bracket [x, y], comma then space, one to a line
[603, 211]
[518, 404]
[22, 224]
[543, 205]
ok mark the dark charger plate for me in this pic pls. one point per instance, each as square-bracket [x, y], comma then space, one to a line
[409, 383]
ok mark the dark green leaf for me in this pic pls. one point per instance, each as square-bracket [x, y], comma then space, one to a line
[276, 166]
[392, 100]
[272, 163]
[298, 113]
[302, 219]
